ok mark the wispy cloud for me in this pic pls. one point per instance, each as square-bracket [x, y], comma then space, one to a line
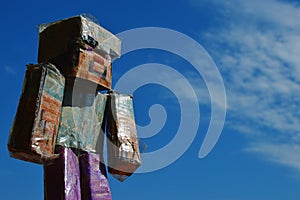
[286, 154]
[257, 49]
[9, 70]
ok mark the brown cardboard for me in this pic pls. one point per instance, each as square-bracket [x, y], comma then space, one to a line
[85, 64]
[33, 134]
[55, 38]
[122, 144]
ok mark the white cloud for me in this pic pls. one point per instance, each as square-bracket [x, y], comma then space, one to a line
[257, 49]
[286, 154]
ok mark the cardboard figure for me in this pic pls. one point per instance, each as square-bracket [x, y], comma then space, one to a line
[64, 112]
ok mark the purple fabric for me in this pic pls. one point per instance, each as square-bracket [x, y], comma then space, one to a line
[94, 182]
[62, 179]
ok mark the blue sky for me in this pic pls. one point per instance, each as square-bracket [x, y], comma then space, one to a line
[255, 45]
